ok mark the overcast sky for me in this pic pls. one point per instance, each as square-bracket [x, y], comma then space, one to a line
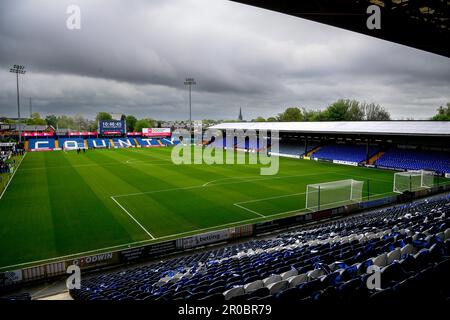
[132, 57]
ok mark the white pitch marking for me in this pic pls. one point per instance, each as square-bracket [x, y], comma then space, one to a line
[215, 185]
[134, 219]
[14, 173]
[249, 210]
[270, 198]
[127, 245]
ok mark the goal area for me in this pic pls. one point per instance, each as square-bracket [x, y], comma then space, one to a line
[331, 194]
[413, 180]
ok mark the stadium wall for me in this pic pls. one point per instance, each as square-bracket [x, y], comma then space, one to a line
[44, 272]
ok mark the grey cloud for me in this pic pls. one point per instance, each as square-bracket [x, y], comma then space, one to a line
[133, 57]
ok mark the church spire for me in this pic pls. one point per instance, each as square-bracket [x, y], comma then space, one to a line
[240, 114]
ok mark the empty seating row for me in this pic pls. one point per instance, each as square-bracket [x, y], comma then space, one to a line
[415, 160]
[342, 152]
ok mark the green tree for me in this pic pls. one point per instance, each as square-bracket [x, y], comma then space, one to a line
[51, 120]
[101, 116]
[344, 110]
[291, 114]
[272, 119]
[65, 122]
[315, 115]
[131, 123]
[36, 119]
[443, 113]
[374, 111]
[259, 119]
[143, 123]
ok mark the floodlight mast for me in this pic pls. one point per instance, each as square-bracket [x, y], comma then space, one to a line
[18, 69]
[190, 82]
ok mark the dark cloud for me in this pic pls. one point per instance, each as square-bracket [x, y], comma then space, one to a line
[132, 57]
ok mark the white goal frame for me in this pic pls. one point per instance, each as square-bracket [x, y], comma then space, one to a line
[355, 194]
[424, 180]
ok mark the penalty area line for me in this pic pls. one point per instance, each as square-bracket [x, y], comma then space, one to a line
[249, 210]
[134, 219]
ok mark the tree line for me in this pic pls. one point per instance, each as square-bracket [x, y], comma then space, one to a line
[344, 110]
[341, 110]
[80, 123]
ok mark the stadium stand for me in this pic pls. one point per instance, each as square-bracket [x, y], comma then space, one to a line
[409, 159]
[147, 142]
[71, 143]
[18, 297]
[353, 153]
[167, 142]
[98, 143]
[219, 142]
[41, 144]
[123, 142]
[290, 148]
[295, 148]
[325, 262]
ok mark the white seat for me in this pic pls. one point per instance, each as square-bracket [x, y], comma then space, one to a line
[278, 286]
[288, 274]
[408, 249]
[234, 292]
[271, 279]
[296, 280]
[252, 286]
[447, 233]
[394, 255]
[381, 260]
[314, 274]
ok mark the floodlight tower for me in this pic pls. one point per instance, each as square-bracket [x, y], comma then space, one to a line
[190, 82]
[18, 69]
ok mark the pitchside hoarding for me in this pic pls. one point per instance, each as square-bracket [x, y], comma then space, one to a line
[156, 132]
[111, 127]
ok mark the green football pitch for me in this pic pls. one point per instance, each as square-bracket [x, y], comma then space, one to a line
[60, 204]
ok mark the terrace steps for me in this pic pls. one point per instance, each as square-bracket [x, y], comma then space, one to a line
[375, 157]
[308, 154]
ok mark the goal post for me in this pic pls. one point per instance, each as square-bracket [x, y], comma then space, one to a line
[330, 194]
[413, 180]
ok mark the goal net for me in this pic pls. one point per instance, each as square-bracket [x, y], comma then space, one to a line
[331, 194]
[413, 180]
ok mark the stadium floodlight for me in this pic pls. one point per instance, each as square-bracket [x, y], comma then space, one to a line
[413, 180]
[18, 69]
[331, 194]
[190, 82]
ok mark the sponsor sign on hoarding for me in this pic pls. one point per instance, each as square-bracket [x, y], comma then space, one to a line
[85, 133]
[10, 277]
[203, 239]
[348, 163]
[37, 134]
[156, 132]
[96, 260]
[148, 251]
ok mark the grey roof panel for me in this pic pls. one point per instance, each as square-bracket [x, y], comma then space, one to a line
[414, 128]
